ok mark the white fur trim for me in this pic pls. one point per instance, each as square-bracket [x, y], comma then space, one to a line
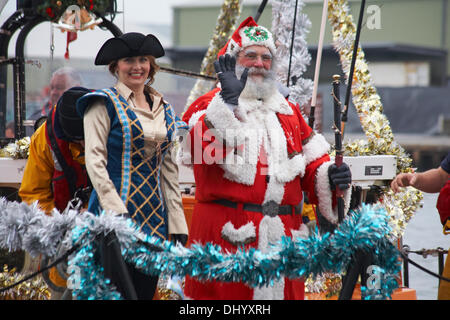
[237, 170]
[277, 158]
[315, 148]
[194, 118]
[271, 230]
[276, 102]
[243, 235]
[291, 168]
[274, 191]
[302, 232]
[240, 166]
[233, 48]
[225, 124]
[324, 194]
[347, 199]
[259, 123]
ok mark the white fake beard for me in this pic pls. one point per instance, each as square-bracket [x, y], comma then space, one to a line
[257, 89]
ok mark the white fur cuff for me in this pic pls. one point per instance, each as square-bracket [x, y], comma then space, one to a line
[289, 169]
[324, 194]
[195, 117]
[315, 148]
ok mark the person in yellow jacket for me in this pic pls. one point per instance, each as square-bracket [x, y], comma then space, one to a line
[55, 171]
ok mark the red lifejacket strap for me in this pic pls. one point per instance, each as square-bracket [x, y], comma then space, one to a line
[72, 176]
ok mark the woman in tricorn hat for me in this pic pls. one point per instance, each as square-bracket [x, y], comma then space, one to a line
[129, 130]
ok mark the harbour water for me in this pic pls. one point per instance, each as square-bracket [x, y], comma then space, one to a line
[424, 230]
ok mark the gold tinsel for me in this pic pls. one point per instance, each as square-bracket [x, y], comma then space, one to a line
[229, 14]
[380, 139]
[327, 283]
[33, 289]
[16, 150]
[166, 293]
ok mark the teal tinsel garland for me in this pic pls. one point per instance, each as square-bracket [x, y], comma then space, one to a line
[365, 229]
[86, 277]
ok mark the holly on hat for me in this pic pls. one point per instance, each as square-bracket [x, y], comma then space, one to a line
[248, 34]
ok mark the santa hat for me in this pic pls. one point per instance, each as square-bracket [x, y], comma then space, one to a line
[248, 34]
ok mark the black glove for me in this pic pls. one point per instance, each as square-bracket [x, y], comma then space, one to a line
[342, 176]
[231, 85]
[179, 237]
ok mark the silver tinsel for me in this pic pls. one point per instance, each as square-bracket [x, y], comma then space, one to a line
[366, 229]
[26, 227]
[282, 25]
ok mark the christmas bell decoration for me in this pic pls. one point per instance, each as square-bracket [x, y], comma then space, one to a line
[76, 19]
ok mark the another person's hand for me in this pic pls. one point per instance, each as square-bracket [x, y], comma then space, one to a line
[179, 237]
[403, 180]
[231, 85]
[339, 176]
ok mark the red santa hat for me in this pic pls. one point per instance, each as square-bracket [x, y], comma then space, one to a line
[248, 34]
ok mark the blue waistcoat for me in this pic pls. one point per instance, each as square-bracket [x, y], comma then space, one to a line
[135, 176]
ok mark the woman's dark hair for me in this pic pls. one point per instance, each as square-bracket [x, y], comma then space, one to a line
[154, 67]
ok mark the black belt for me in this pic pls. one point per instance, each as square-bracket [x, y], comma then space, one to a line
[270, 208]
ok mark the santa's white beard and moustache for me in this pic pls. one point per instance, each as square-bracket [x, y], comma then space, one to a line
[259, 89]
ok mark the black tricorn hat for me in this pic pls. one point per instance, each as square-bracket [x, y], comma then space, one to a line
[69, 124]
[131, 44]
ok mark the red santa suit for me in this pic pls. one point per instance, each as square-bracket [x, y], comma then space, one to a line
[251, 166]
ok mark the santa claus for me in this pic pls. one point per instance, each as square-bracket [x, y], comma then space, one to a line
[253, 156]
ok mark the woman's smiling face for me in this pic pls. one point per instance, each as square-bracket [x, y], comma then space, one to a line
[133, 71]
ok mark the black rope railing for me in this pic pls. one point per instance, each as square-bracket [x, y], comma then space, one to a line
[438, 252]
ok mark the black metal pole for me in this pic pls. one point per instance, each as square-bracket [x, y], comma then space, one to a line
[441, 262]
[115, 30]
[312, 117]
[260, 10]
[185, 73]
[338, 142]
[9, 27]
[19, 98]
[292, 44]
[19, 77]
[405, 268]
[358, 267]
[352, 66]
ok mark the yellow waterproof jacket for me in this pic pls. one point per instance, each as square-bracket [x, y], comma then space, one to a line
[38, 173]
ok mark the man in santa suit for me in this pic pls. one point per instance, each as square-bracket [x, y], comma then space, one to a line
[253, 156]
